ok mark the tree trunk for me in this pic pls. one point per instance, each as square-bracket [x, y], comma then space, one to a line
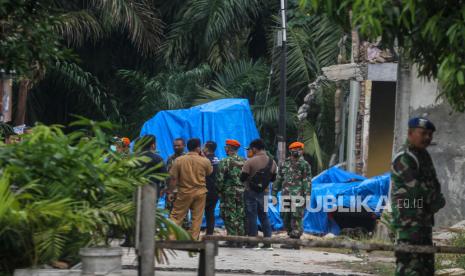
[20, 114]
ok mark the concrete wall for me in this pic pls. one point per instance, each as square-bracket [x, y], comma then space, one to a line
[417, 97]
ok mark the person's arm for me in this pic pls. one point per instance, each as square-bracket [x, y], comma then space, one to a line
[209, 167]
[161, 164]
[220, 172]
[274, 169]
[173, 182]
[245, 171]
[277, 185]
[437, 198]
[405, 190]
[244, 176]
[161, 169]
[307, 180]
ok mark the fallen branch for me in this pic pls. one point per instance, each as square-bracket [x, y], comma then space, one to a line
[344, 244]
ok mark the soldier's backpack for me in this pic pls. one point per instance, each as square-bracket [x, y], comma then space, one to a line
[261, 179]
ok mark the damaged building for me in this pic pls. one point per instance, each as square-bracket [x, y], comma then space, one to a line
[384, 94]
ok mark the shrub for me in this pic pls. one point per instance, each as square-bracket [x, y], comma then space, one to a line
[60, 192]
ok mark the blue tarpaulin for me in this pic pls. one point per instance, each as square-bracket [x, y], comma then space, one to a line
[338, 183]
[216, 121]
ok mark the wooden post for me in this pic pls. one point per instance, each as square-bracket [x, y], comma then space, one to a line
[207, 258]
[20, 114]
[147, 231]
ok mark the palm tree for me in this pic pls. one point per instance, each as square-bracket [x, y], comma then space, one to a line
[210, 31]
[93, 20]
[79, 22]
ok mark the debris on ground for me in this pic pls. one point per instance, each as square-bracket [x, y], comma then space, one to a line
[450, 272]
[60, 265]
[446, 234]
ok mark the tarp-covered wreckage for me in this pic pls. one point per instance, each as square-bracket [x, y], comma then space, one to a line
[216, 121]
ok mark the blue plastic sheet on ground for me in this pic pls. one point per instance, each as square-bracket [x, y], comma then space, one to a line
[216, 121]
[337, 175]
[373, 190]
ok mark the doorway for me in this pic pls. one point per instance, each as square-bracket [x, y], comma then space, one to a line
[381, 127]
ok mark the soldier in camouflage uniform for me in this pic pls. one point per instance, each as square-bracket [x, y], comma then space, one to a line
[231, 190]
[178, 147]
[294, 179]
[415, 198]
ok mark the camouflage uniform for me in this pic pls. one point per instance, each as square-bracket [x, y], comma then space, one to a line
[415, 197]
[231, 192]
[169, 205]
[294, 179]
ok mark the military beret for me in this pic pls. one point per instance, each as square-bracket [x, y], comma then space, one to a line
[296, 145]
[126, 141]
[419, 122]
[232, 142]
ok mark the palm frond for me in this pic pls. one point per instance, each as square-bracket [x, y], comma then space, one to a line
[77, 80]
[300, 68]
[327, 34]
[202, 24]
[76, 27]
[171, 90]
[312, 44]
[50, 243]
[309, 137]
[136, 17]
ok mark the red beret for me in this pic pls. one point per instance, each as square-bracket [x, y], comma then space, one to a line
[126, 141]
[232, 142]
[296, 145]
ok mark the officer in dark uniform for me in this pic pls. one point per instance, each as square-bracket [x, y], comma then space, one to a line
[415, 198]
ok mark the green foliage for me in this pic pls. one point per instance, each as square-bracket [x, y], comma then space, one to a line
[60, 192]
[76, 80]
[312, 146]
[431, 35]
[173, 89]
[28, 43]
[5, 130]
[312, 45]
[209, 30]
[94, 20]
[211, 50]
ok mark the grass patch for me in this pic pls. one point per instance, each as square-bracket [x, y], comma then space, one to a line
[444, 261]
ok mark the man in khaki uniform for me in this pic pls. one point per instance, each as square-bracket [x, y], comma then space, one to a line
[188, 184]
